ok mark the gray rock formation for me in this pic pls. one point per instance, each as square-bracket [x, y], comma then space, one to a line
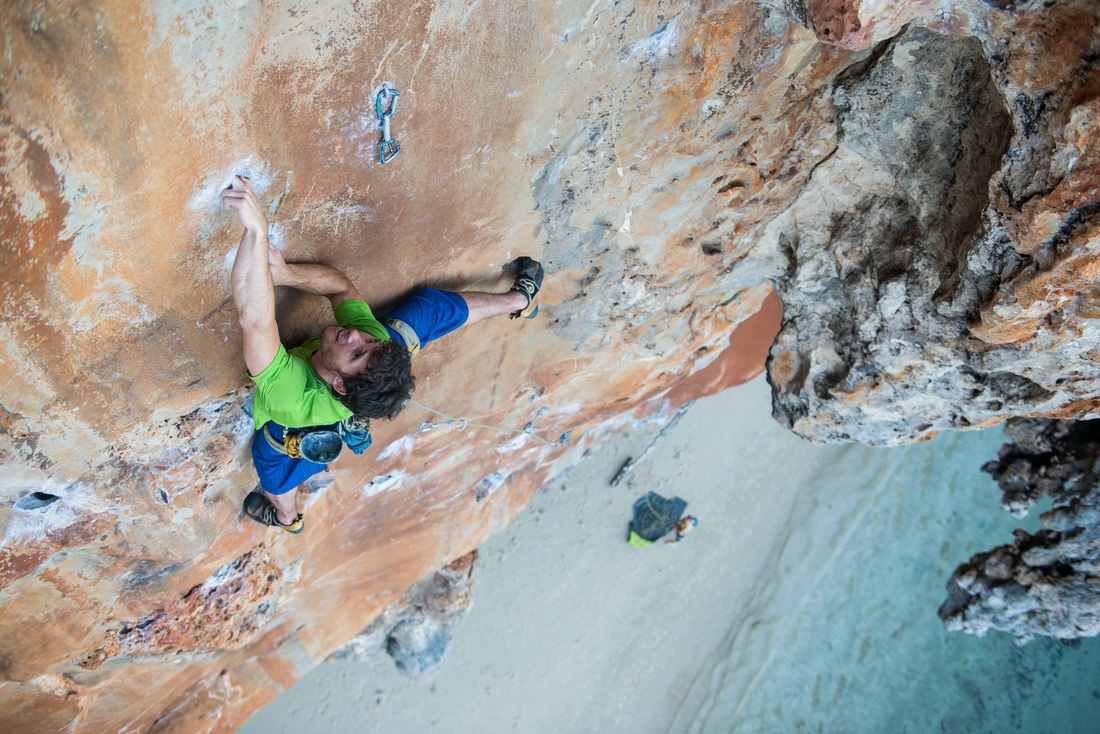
[1047, 583]
[416, 633]
[898, 253]
[880, 287]
[419, 644]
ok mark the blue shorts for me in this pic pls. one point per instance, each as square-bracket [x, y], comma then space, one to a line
[430, 313]
[278, 472]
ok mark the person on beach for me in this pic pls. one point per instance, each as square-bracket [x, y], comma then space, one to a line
[313, 399]
[685, 526]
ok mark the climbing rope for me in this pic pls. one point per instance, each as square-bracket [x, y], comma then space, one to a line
[293, 444]
[460, 424]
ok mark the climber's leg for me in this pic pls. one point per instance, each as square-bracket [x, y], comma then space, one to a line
[486, 305]
[432, 313]
[520, 300]
[280, 477]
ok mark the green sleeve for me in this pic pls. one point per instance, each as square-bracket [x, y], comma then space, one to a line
[356, 314]
[282, 384]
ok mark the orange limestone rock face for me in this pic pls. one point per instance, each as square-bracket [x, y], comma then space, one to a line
[916, 185]
[225, 612]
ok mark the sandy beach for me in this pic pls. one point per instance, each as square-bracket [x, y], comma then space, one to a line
[572, 629]
[804, 601]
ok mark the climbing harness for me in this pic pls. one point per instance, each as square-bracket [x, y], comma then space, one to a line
[388, 148]
[322, 444]
[460, 424]
[412, 341]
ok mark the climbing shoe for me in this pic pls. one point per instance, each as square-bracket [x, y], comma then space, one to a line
[528, 281]
[260, 509]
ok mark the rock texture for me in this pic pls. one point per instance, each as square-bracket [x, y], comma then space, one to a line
[225, 612]
[1046, 583]
[917, 182]
[416, 632]
[923, 290]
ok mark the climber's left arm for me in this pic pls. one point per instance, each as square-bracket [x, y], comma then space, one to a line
[313, 278]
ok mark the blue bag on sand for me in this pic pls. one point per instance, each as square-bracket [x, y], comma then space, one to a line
[655, 516]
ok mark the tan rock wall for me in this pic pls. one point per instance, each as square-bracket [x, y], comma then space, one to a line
[649, 153]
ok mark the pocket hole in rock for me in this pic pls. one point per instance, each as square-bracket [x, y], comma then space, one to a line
[37, 500]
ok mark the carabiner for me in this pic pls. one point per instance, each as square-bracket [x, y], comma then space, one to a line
[380, 101]
[388, 147]
[388, 150]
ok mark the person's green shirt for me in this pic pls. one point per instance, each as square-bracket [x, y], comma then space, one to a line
[291, 393]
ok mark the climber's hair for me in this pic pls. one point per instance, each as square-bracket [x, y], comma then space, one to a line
[384, 386]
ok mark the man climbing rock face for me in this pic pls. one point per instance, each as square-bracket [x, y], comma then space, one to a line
[312, 399]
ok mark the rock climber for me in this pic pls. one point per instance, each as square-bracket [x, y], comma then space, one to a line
[682, 528]
[312, 399]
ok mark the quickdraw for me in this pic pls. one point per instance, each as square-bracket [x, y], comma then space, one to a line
[388, 148]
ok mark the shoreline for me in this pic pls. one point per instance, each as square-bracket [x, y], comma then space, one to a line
[597, 594]
[806, 597]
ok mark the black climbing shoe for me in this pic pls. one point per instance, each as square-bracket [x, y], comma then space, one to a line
[260, 509]
[528, 281]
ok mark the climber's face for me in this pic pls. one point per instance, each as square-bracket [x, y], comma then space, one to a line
[346, 351]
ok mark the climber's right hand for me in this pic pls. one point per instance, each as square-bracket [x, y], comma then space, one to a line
[241, 197]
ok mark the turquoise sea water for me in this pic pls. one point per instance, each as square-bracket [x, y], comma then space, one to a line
[852, 644]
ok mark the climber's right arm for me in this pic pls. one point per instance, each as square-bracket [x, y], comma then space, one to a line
[253, 292]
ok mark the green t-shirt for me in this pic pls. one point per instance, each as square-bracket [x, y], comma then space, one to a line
[291, 393]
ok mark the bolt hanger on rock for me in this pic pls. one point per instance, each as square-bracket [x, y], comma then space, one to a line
[388, 147]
